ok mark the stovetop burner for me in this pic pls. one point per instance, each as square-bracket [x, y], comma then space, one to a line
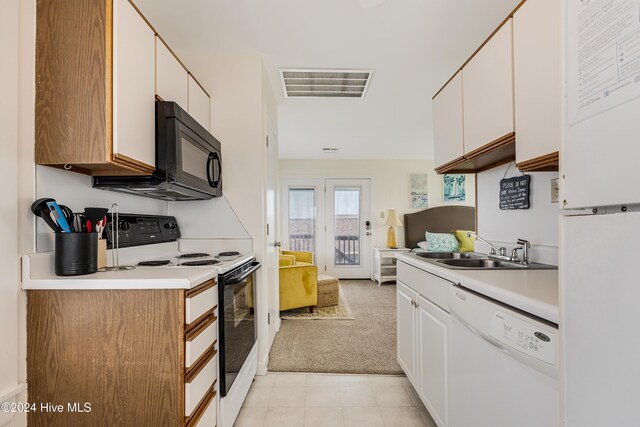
[194, 255]
[200, 263]
[230, 253]
[154, 263]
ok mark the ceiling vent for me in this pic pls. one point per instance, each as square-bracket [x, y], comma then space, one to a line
[330, 150]
[301, 83]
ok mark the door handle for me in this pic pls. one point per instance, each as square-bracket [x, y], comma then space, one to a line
[277, 244]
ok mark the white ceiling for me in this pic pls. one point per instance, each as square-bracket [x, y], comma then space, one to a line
[414, 46]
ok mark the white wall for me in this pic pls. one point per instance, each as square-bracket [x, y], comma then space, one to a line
[11, 323]
[240, 104]
[538, 224]
[74, 190]
[390, 182]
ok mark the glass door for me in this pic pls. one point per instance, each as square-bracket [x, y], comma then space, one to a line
[348, 230]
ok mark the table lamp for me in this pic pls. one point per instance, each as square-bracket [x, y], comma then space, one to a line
[392, 220]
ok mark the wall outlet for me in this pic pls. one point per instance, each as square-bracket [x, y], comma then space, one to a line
[555, 190]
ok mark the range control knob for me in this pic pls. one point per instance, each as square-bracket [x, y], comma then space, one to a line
[170, 225]
[124, 226]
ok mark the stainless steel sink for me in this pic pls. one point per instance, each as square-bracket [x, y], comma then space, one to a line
[492, 264]
[446, 255]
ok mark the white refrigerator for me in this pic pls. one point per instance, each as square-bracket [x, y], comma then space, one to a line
[600, 228]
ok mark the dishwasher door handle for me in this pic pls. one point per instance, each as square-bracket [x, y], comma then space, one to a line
[478, 333]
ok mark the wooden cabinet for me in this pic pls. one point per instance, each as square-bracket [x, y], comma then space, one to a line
[138, 357]
[406, 325]
[537, 41]
[433, 347]
[172, 79]
[94, 88]
[488, 92]
[447, 123]
[199, 103]
[423, 336]
[385, 264]
[134, 132]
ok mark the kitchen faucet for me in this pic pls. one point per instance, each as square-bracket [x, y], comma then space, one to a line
[494, 251]
[501, 253]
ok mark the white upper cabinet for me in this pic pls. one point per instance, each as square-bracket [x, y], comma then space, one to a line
[447, 122]
[488, 91]
[537, 42]
[172, 79]
[133, 86]
[199, 103]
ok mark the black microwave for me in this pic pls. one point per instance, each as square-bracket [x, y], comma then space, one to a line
[188, 161]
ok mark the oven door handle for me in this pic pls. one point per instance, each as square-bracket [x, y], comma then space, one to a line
[240, 277]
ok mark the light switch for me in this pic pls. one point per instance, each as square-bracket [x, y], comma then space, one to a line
[555, 190]
[381, 214]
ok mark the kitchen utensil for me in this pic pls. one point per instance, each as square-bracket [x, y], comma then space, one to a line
[93, 215]
[40, 209]
[59, 216]
[115, 239]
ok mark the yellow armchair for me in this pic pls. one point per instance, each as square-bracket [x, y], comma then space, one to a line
[300, 257]
[298, 280]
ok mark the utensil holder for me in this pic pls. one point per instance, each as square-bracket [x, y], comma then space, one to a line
[76, 254]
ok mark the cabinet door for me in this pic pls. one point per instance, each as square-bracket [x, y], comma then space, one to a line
[488, 91]
[198, 103]
[406, 324]
[133, 86]
[433, 344]
[172, 80]
[447, 122]
[538, 78]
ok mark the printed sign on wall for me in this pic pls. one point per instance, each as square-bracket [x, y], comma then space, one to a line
[514, 192]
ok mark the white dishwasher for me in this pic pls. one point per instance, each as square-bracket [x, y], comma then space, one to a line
[504, 365]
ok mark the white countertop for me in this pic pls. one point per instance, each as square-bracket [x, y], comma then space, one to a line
[38, 272]
[532, 291]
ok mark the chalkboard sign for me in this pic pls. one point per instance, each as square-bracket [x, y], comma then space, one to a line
[514, 192]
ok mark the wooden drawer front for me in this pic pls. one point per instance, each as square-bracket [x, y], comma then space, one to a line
[430, 286]
[205, 415]
[198, 384]
[199, 340]
[199, 301]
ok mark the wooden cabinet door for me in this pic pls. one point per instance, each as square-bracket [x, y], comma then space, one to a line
[488, 91]
[433, 344]
[172, 79]
[133, 86]
[199, 103]
[447, 122]
[537, 46]
[406, 324]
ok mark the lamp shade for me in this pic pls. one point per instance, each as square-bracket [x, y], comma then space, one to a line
[392, 218]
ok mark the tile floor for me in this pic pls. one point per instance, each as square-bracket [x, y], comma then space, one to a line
[315, 400]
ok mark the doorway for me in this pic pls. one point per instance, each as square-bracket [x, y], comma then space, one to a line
[332, 218]
[348, 228]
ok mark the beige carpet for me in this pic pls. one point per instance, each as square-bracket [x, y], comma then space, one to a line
[366, 345]
[341, 311]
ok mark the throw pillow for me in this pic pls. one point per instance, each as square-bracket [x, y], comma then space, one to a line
[423, 245]
[441, 242]
[467, 244]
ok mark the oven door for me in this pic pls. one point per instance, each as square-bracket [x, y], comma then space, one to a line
[198, 165]
[238, 331]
